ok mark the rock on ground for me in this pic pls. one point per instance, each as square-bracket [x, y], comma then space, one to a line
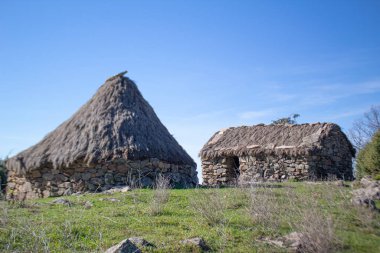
[88, 204]
[139, 241]
[196, 241]
[125, 246]
[116, 189]
[367, 195]
[292, 241]
[130, 245]
[110, 199]
[61, 201]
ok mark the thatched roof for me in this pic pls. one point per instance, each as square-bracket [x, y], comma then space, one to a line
[117, 122]
[270, 139]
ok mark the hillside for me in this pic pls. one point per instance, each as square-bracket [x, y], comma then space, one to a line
[228, 219]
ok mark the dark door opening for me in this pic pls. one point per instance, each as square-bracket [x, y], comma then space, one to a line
[236, 166]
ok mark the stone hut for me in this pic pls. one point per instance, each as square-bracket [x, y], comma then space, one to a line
[275, 153]
[116, 138]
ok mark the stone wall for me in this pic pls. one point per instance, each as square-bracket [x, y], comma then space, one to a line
[329, 162]
[46, 181]
[331, 156]
[255, 168]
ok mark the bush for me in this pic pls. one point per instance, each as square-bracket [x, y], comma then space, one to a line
[368, 160]
[160, 196]
[210, 205]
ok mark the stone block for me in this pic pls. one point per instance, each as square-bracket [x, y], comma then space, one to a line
[26, 187]
[86, 176]
[109, 178]
[48, 176]
[36, 173]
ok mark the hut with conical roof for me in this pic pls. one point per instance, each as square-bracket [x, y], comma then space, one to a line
[116, 138]
[276, 152]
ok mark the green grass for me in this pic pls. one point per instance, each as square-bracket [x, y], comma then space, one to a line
[38, 225]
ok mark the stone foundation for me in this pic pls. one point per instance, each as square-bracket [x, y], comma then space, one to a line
[47, 182]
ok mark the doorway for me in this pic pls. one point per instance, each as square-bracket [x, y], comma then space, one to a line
[235, 167]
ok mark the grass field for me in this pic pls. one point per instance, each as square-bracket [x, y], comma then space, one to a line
[228, 219]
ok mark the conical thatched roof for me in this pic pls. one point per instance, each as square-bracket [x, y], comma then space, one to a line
[117, 122]
[290, 139]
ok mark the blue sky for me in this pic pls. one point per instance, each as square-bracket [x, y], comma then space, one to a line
[203, 65]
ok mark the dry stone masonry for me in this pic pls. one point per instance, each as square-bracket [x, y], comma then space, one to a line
[47, 182]
[277, 153]
[114, 139]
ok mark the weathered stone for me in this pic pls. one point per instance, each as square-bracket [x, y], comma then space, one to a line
[366, 196]
[110, 199]
[88, 204]
[47, 176]
[118, 189]
[86, 176]
[108, 178]
[196, 241]
[146, 182]
[367, 182]
[62, 202]
[36, 173]
[140, 242]
[125, 246]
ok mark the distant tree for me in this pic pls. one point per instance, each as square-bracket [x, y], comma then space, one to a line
[363, 129]
[287, 120]
[368, 159]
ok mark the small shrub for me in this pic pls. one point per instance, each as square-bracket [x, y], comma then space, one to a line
[4, 216]
[368, 159]
[160, 196]
[311, 218]
[210, 205]
[317, 231]
[263, 208]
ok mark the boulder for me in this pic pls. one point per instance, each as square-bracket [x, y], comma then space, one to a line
[293, 241]
[141, 242]
[117, 189]
[367, 195]
[61, 201]
[146, 182]
[367, 182]
[110, 199]
[125, 246]
[88, 204]
[196, 241]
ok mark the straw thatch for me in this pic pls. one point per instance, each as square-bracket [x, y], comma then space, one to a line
[116, 123]
[270, 139]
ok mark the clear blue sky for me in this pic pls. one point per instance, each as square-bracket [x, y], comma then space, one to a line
[203, 65]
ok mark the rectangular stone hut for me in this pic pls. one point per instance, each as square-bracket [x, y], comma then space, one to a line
[277, 153]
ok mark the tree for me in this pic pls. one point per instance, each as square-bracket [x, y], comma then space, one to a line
[368, 159]
[364, 128]
[287, 120]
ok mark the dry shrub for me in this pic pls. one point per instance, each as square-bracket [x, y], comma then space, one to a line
[236, 198]
[3, 214]
[160, 196]
[263, 207]
[310, 217]
[210, 205]
[367, 219]
[317, 231]
[24, 236]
